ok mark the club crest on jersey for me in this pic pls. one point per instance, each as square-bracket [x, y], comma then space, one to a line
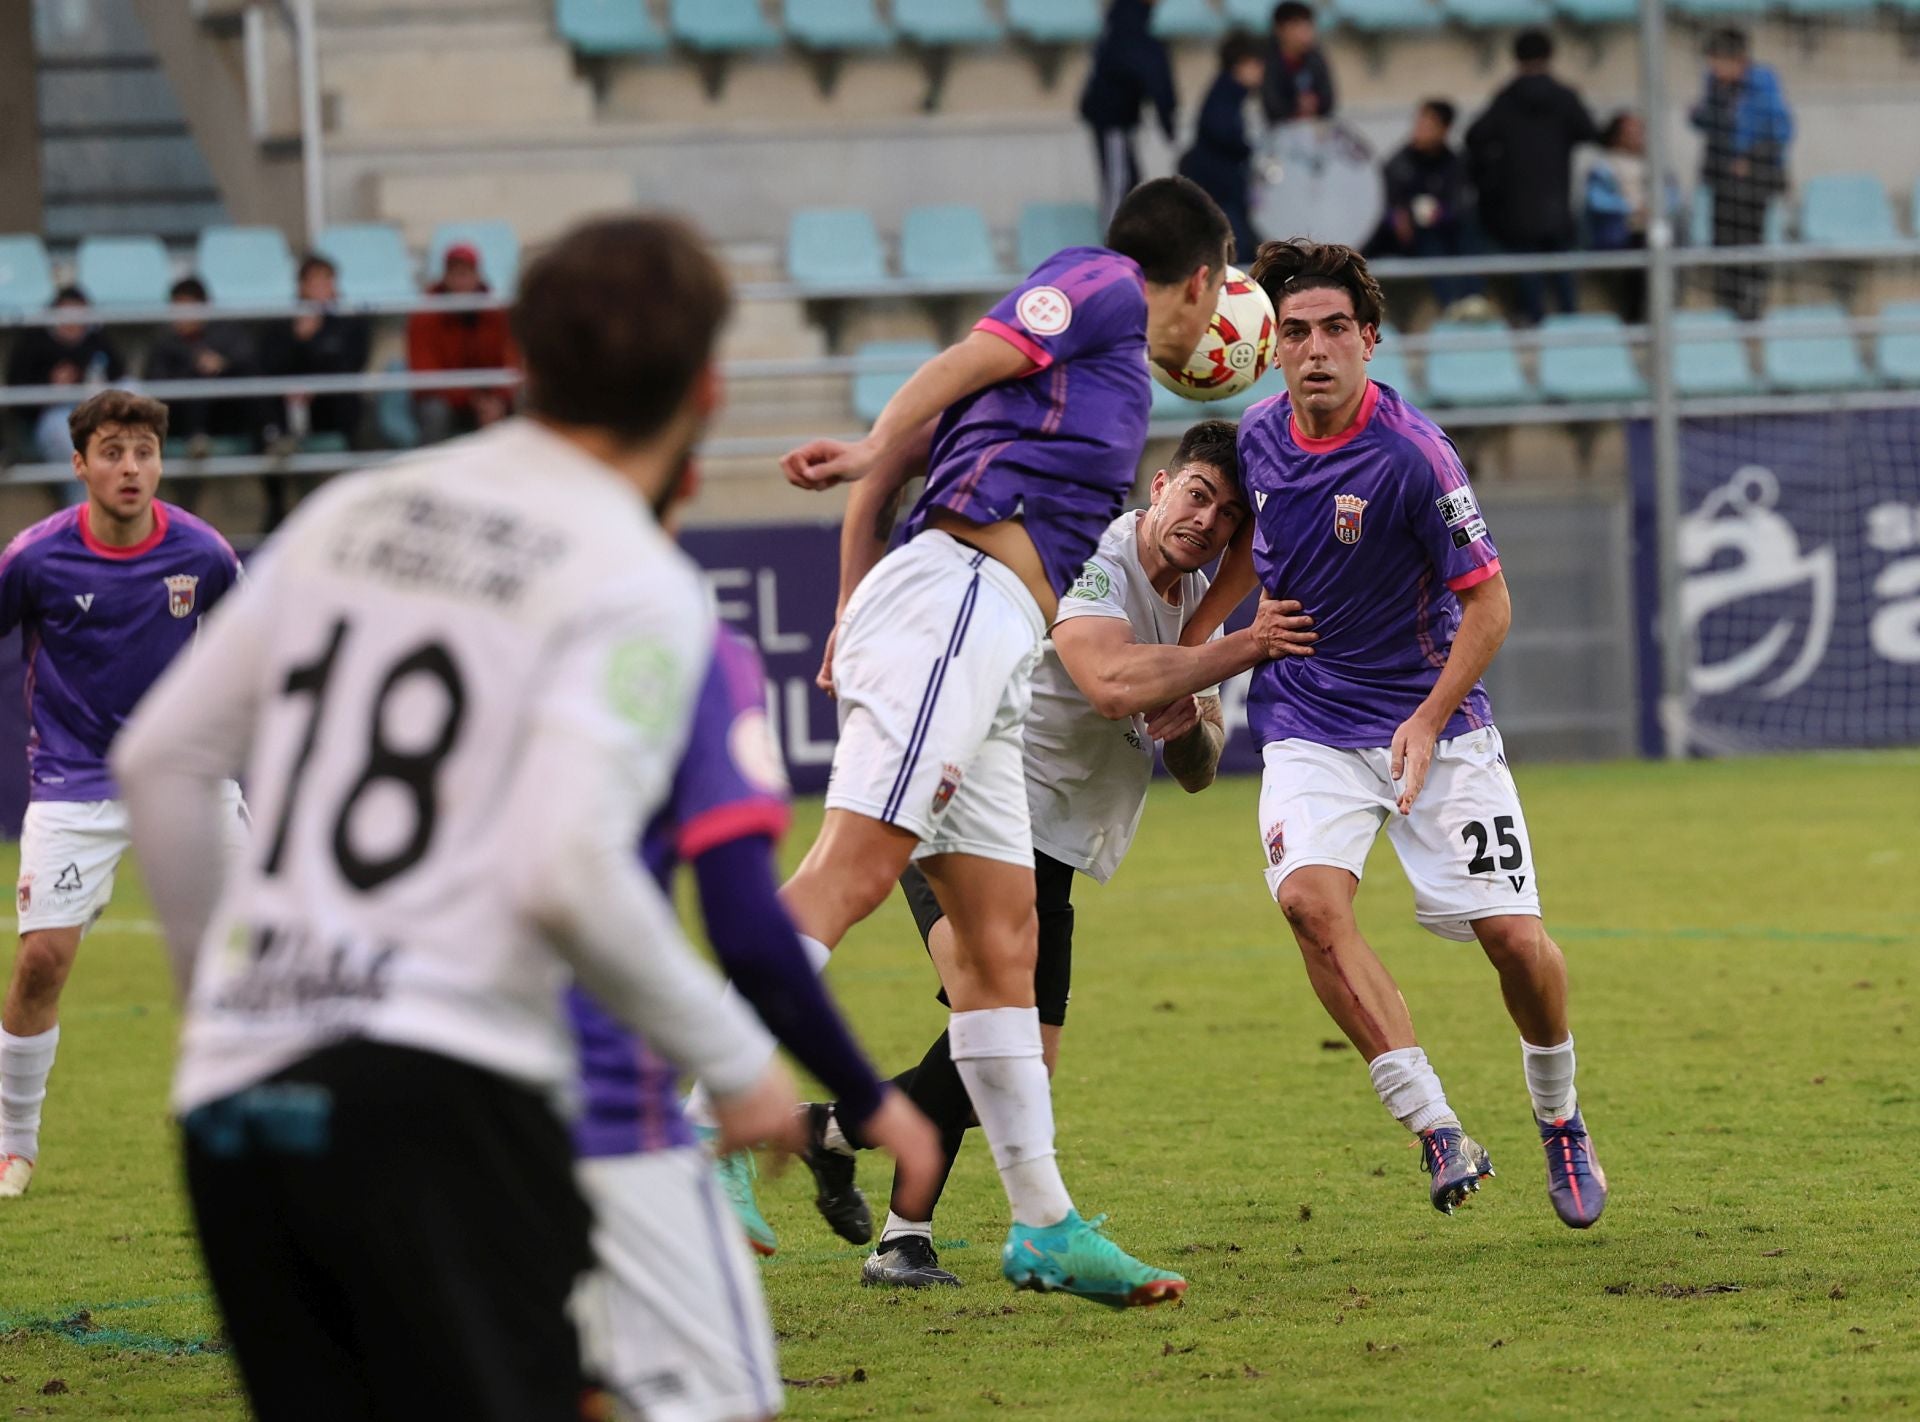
[1347, 509]
[950, 777]
[180, 591]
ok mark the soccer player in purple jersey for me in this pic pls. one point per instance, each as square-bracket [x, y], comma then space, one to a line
[106, 593]
[1032, 429]
[1363, 512]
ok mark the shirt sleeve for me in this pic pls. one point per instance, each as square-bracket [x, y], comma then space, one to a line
[1066, 310]
[731, 783]
[1446, 516]
[1097, 592]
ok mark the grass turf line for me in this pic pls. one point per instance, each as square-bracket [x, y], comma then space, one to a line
[1742, 938]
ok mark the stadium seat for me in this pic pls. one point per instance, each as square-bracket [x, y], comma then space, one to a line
[1809, 9]
[1709, 9]
[373, 261]
[123, 271]
[873, 388]
[1047, 227]
[1481, 375]
[1497, 14]
[1899, 351]
[497, 243]
[834, 246]
[1055, 21]
[721, 26]
[1800, 364]
[1589, 372]
[608, 27]
[1255, 15]
[1846, 210]
[949, 242]
[1389, 366]
[26, 276]
[944, 22]
[1599, 12]
[1714, 364]
[837, 24]
[1188, 19]
[393, 414]
[246, 266]
[1381, 16]
[1700, 221]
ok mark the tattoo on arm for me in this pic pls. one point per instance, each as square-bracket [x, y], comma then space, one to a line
[1194, 758]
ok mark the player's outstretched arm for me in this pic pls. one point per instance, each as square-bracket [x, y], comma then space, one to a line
[1486, 612]
[1121, 676]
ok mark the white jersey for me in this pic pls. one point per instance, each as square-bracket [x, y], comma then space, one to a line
[1086, 775]
[459, 685]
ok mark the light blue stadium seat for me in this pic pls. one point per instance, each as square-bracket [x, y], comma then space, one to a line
[1055, 21]
[1188, 19]
[1255, 15]
[945, 22]
[1498, 14]
[873, 388]
[834, 246]
[393, 414]
[948, 242]
[1846, 210]
[1047, 227]
[1817, 362]
[1482, 375]
[373, 261]
[1809, 9]
[1700, 220]
[608, 27]
[497, 243]
[1389, 366]
[837, 24]
[1589, 372]
[1169, 406]
[1716, 362]
[26, 276]
[1712, 8]
[1599, 12]
[1899, 351]
[245, 266]
[1383, 16]
[123, 271]
[721, 26]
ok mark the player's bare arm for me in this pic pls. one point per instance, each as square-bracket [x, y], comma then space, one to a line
[1486, 612]
[1123, 677]
[1193, 757]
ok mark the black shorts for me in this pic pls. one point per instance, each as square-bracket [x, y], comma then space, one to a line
[1052, 896]
[392, 1234]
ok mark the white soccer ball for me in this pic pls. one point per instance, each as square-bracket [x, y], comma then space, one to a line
[1236, 350]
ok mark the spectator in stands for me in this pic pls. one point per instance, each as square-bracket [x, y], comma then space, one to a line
[1299, 83]
[1520, 154]
[1429, 200]
[193, 349]
[325, 343]
[1221, 158]
[1130, 68]
[71, 353]
[1616, 205]
[1747, 127]
[459, 340]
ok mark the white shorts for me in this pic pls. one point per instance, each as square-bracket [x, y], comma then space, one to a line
[933, 667]
[673, 1320]
[1464, 847]
[69, 850]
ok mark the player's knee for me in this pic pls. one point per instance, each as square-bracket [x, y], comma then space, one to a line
[1515, 942]
[42, 965]
[1311, 912]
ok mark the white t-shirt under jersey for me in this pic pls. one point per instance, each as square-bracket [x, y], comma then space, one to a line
[459, 685]
[1086, 775]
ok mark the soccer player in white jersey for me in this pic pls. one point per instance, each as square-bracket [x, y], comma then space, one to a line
[1363, 512]
[1114, 680]
[106, 594]
[459, 686]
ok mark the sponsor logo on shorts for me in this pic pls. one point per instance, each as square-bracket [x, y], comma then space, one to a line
[1045, 310]
[1467, 532]
[950, 778]
[23, 894]
[1093, 584]
[180, 591]
[1457, 507]
[1277, 844]
[69, 881]
[1347, 510]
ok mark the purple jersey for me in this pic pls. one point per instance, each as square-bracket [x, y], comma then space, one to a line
[98, 626]
[1058, 446]
[1373, 530]
[729, 785]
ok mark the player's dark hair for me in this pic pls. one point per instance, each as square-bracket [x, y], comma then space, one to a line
[1172, 229]
[1443, 111]
[1288, 10]
[1729, 42]
[1214, 443]
[188, 289]
[1298, 264]
[314, 262]
[1532, 47]
[1239, 47]
[115, 407]
[616, 320]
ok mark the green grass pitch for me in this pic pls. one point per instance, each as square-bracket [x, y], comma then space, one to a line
[1745, 948]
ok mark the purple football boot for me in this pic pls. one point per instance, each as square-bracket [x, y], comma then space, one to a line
[1575, 1182]
[1457, 1164]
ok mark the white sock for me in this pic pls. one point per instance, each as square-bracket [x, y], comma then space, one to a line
[24, 1064]
[896, 1227]
[997, 1052]
[1550, 1079]
[1411, 1090]
[699, 1105]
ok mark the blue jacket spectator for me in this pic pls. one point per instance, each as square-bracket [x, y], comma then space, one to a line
[1299, 82]
[1221, 156]
[1747, 127]
[1130, 69]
